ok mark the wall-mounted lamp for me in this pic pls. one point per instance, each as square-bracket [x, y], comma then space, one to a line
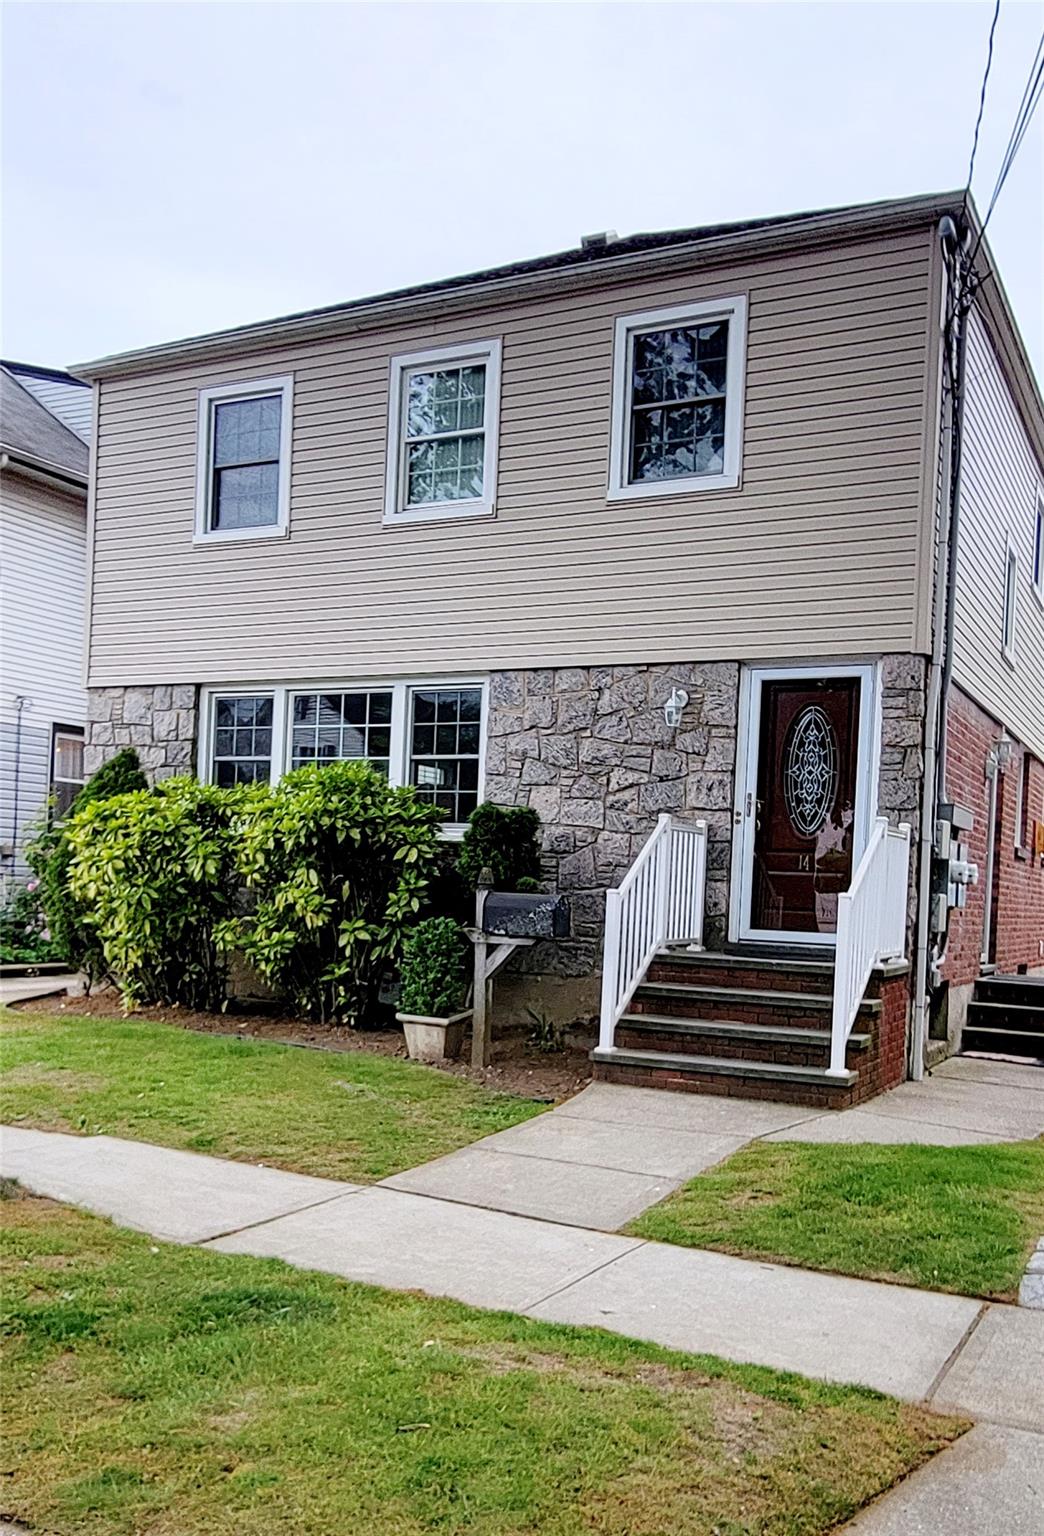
[1005, 753]
[672, 710]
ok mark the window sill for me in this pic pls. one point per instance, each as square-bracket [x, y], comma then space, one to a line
[694, 485]
[1022, 853]
[450, 511]
[239, 536]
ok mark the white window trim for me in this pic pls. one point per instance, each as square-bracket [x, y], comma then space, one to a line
[281, 693]
[1037, 552]
[1010, 603]
[224, 394]
[627, 327]
[396, 512]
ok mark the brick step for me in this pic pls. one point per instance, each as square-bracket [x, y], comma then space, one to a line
[782, 1045]
[809, 1086]
[741, 1005]
[763, 973]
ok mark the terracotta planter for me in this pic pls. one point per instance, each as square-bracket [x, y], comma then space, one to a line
[432, 1039]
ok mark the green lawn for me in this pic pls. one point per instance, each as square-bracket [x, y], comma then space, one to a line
[345, 1115]
[946, 1218]
[178, 1392]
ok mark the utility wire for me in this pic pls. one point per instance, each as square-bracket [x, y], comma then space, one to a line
[1027, 106]
[982, 101]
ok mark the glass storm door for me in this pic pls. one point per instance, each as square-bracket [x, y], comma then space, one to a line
[805, 808]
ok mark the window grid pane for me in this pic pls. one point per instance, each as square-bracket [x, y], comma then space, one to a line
[444, 748]
[678, 402]
[444, 435]
[242, 751]
[342, 727]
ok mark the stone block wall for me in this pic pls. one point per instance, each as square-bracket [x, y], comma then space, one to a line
[589, 750]
[160, 723]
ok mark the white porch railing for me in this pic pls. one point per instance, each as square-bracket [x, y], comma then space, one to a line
[871, 927]
[659, 901]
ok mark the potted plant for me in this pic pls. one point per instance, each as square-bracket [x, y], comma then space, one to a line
[433, 986]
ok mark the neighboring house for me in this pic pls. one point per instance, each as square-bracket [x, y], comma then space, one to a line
[45, 421]
[657, 527]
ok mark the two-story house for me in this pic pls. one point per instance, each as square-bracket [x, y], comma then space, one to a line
[655, 536]
[45, 425]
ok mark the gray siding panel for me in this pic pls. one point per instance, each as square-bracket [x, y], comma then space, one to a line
[1000, 482]
[815, 554]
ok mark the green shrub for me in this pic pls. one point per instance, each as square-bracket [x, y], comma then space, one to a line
[154, 874]
[505, 840]
[338, 863]
[433, 975]
[25, 938]
[50, 856]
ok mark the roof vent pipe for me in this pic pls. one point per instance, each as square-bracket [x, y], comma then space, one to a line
[598, 242]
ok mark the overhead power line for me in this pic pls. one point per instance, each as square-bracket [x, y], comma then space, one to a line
[1027, 106]
[982, 101]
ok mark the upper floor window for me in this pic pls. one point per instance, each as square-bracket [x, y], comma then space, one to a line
[678, 399]
[1038, 550]
[442, 433]
[67, 776]
[243, 464]
[1011, 597]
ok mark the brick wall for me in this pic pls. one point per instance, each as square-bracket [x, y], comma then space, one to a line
[1018, 885]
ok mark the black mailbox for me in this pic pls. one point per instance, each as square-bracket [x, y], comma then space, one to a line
[519, 915]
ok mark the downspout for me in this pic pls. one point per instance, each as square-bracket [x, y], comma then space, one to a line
[940, 675]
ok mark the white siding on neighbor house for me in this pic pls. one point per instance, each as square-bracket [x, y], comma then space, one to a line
[70, 402]
[815, 554]
[1001, 480]
[42, 579]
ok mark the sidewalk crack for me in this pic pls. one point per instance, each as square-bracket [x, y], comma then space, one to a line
[957, 1350]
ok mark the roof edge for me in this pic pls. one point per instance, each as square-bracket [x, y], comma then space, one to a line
[42, 469]
[783, 232]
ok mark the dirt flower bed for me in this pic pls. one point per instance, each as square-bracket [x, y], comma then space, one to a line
[517, 1066]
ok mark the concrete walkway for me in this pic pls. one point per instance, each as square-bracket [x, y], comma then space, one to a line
[19, 989]
[952, 1351]
[601, 1158]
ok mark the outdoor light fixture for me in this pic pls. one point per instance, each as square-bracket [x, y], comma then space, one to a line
[672, 710]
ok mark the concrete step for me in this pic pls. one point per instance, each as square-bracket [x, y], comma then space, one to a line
[1003, 1042]
[1005, 1015]
[780, 1045]
[719, 1074]
[1011, 991]
[741, 1005]
[761, 972]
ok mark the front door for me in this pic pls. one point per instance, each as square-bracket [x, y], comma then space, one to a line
[803, 813]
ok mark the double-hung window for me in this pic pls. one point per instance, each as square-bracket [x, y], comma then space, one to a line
[442, 433]
[428, 735]
[243, 461]
[1038, 550]
[678, 400]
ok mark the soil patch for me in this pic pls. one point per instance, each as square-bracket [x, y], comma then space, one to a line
[517, 1066]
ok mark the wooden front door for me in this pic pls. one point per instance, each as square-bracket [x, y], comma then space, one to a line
[805, 811]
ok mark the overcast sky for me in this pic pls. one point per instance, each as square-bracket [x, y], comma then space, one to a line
[177, 168]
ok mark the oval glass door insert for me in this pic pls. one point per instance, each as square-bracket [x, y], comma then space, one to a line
[810, 770]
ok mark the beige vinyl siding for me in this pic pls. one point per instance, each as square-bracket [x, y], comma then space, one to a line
[1001, 479]
[815, 553]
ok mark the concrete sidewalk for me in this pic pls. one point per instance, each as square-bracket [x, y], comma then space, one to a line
[951, 1351]
[601, 1158]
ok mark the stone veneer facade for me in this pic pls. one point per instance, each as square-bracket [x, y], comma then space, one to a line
[160, 723]
[589, 750]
